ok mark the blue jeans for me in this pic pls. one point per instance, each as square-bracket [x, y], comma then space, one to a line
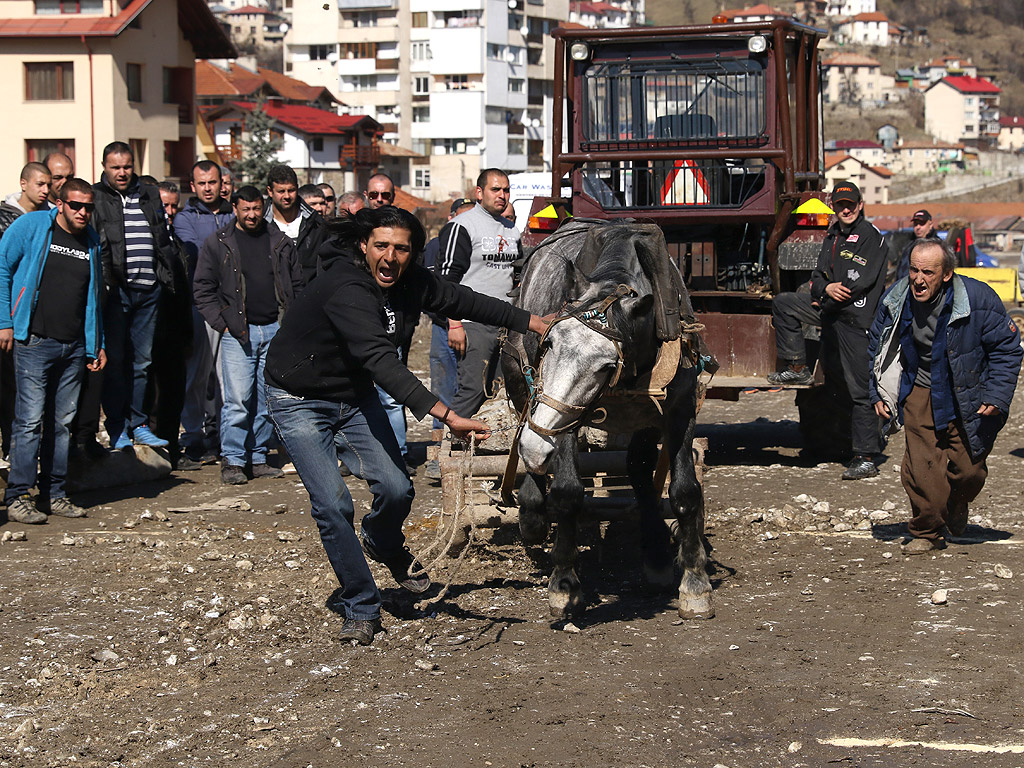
[316, 433]
[49, 375]
[396, 417]
[128, 324]
[444, 368]
[245, 426]
[201, 364]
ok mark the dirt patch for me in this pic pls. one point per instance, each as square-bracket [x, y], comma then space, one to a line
[144, 637]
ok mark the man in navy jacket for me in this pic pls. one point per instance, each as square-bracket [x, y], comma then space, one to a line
[945, 358]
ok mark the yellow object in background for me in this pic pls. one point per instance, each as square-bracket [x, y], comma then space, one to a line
[1003, 280]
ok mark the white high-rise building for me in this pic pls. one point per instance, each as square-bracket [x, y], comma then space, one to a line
[466, 84]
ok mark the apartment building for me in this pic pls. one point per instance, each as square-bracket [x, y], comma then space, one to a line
[963, 109]
[77, 75]
[463, 84]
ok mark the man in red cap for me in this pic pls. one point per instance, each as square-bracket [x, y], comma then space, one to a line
[844, 290]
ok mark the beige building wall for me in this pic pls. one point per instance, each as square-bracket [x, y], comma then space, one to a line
[944, 113]
[100, 111]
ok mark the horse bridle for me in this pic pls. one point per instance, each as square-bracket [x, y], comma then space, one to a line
[596, 319]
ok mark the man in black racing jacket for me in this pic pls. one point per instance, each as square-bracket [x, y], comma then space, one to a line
[845, 288]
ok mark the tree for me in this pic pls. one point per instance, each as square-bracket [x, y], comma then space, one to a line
[259, 146]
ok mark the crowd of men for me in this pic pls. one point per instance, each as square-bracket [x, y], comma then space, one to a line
[124, 300]
[115, 296]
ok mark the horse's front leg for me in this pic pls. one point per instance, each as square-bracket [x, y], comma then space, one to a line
[565, 597]
[687, 499]
[533, 518]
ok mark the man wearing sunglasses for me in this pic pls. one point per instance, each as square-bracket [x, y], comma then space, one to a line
[380, 191]
[845, 288]
[330, 200]
[50, 287]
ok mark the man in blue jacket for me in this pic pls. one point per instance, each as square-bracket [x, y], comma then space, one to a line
[203, 215]
[945, 358]
[50, 287]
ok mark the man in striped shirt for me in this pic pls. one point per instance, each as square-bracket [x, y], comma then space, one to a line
[137, 255]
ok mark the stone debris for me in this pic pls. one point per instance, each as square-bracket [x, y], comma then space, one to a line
[426, 666]
[571, 628]
[105, 656]
[809, 514]
[13, 536]
[939, 597]
[172, 660]
[795, 746]
[27, 726]
[289, 536]
[1002, 572]
[244, 565]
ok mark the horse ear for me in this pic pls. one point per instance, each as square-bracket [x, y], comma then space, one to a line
[639, 306]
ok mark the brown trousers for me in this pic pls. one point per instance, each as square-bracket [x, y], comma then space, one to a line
[938, 472]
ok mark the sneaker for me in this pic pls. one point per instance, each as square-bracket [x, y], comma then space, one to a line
[265, 470]
[402, 566]
[432, 469]
[232, 475]
[122, 442]
[185, 464]
[859, 468]
[360, 630]
[918, 546]
[790, 377]
[956, 518]
[61, 507]
[22, 510]
[144, 436]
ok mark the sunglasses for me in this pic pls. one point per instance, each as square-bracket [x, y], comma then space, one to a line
[381, 195]
[329, 199]
[77, 205]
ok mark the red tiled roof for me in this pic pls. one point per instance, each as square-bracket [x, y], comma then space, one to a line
[1011, 122]
[851, 60]
[411, 203]
[832, 159]
[248, 10]
[881, 170]
[761, 9]
[293, 89]
[308, 120]
[195, 19]
[877, 16]
[857, 144]
[966, 84]
[236, 80]
[596, 8]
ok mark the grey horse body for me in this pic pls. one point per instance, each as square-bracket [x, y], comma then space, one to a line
[578, 266]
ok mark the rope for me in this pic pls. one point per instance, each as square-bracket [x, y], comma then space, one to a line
[461, 505]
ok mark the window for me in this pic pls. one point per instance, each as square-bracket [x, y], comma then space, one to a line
[496, 115]
[138, 147]
[516, 147]
[495, 51]
[421, 146]
[358, 50]
[133, 79]
[37, 149]
[317, 145]
[515, 21]
[419, 20]
[421, 178]
[421, 114]
[362, 82]
[50, 81]
[365, 19]
[450, 147]
[516, 85]
[421, 51]
[320, 52]
[456, 82]
[46, 7]
[421, 84]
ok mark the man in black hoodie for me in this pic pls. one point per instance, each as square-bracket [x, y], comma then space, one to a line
[337, 341]
[844, 291]
[295, 217]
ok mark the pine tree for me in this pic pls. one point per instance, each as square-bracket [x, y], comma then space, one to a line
[259, 147]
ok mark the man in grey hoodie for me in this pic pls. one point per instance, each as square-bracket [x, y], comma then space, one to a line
[478, 249]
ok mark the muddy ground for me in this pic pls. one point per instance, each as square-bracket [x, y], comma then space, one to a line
[146, 637]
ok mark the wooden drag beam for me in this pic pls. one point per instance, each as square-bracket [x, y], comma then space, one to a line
[469, 488]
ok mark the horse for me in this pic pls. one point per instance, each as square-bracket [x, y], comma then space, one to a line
[620, 304]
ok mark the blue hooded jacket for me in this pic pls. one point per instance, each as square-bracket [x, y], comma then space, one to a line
[982, 349]
[23, 251]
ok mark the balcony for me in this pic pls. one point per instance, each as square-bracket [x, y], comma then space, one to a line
[184, 114]
[359, 154]
[229, 153]
[386, 65]
[355, 5]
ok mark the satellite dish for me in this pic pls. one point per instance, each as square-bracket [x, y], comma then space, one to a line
[524, 30]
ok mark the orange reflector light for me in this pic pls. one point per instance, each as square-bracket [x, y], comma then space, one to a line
[719, 19]
[812, 219]
[543, 224]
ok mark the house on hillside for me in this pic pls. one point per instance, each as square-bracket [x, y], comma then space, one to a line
[320, 145]
[255, 25]
[864, 29]
[946, 66]
[920, 157]
[1011, 133]
[78, 75]
[849, 8]
[597, 14]
[851, 78]
[963, 109]
[216, 84]
[760, 12]
[867, 152]
[810, 11]
[872, 180]
[888, 134]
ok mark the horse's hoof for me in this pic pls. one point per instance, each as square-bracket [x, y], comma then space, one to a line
[660, 577]
[459, 542]
[696, 606]
[564, 605]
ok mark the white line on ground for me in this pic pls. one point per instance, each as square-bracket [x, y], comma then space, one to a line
[999, 749]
